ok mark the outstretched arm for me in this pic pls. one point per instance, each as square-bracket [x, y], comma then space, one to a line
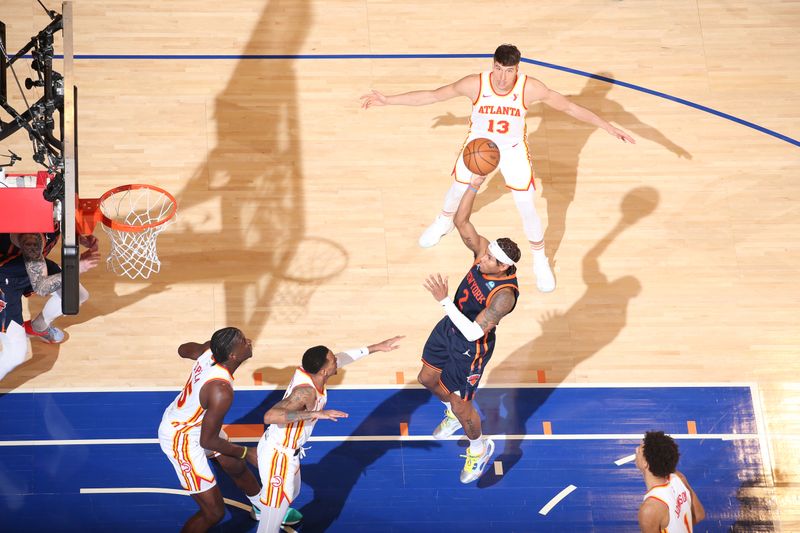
[538, 91]
[350, 356]
[297, 406]
[646, 131]
[467, 86]
[469, 234]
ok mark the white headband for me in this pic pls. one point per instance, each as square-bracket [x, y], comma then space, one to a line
[499, 254]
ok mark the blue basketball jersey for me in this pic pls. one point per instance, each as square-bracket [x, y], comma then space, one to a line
[11, 262]
[476, 290]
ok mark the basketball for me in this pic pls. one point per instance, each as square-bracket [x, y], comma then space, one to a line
[481, 156]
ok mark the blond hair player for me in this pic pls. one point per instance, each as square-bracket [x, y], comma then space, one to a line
[500, 99]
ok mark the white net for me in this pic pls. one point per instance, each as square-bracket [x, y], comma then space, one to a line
[137, 214]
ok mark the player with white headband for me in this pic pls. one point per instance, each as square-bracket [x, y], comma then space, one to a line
[461, 344]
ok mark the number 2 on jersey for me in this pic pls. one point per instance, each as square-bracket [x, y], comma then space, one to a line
[502, 126]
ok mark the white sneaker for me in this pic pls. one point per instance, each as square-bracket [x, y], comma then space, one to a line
[545, 281]
[433, 234]
[448, 426]
[475, 464]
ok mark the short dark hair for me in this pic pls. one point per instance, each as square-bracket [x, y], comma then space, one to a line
[511, 250]
[507, 55]
[223, 341]
[314, 359]
[661, 453]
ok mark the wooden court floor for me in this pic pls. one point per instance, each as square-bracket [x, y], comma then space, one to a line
[677, 259]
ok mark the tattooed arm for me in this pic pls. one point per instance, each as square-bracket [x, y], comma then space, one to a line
[501, 304]
[297, 406]
[32, 247]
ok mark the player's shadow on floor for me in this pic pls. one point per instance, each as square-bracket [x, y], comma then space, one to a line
[556, 161]
[567, 339]
[336, 473]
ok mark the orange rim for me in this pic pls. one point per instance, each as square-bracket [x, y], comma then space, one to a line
[120, 226]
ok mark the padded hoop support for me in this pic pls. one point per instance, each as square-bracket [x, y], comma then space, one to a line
[87, 215]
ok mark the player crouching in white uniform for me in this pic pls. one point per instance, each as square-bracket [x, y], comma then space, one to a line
[191, 428]
[291, 422]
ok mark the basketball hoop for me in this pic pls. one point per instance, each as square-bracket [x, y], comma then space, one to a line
[132, 216]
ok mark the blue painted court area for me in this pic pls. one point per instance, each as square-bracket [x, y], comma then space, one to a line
[361, 475]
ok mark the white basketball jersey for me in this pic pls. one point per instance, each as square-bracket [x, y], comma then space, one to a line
[678, 500]
[499, 117]
[185, 411]
[295, 434]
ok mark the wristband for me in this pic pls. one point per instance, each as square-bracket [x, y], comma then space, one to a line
[472, 188]
[350, 356]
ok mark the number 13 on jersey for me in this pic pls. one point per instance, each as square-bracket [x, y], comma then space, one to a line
[498, 126]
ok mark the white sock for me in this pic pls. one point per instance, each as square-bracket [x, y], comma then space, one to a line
[537, 250]
[477, 446]
[453, 198]
[531, 222]
[52, 309]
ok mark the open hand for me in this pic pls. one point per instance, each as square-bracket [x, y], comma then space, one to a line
[373, 98]
[386, 346]
[89, 259]
[436, 286]
[329, 414]
[621, 135]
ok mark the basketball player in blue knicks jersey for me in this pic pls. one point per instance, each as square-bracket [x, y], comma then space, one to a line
[25, 269]
[500, 100]
[461, 344]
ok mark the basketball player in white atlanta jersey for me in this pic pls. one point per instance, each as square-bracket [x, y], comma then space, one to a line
[669, 504]
[291, 422]
[191, 428]
[500, 100]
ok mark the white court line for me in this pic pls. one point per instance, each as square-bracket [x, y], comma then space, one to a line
[156, 490]
[270, 387]
[395, 438]
[627, 459]
[557, 498]
[768, 467]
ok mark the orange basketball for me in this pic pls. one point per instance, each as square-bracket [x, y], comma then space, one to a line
[481, 156]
